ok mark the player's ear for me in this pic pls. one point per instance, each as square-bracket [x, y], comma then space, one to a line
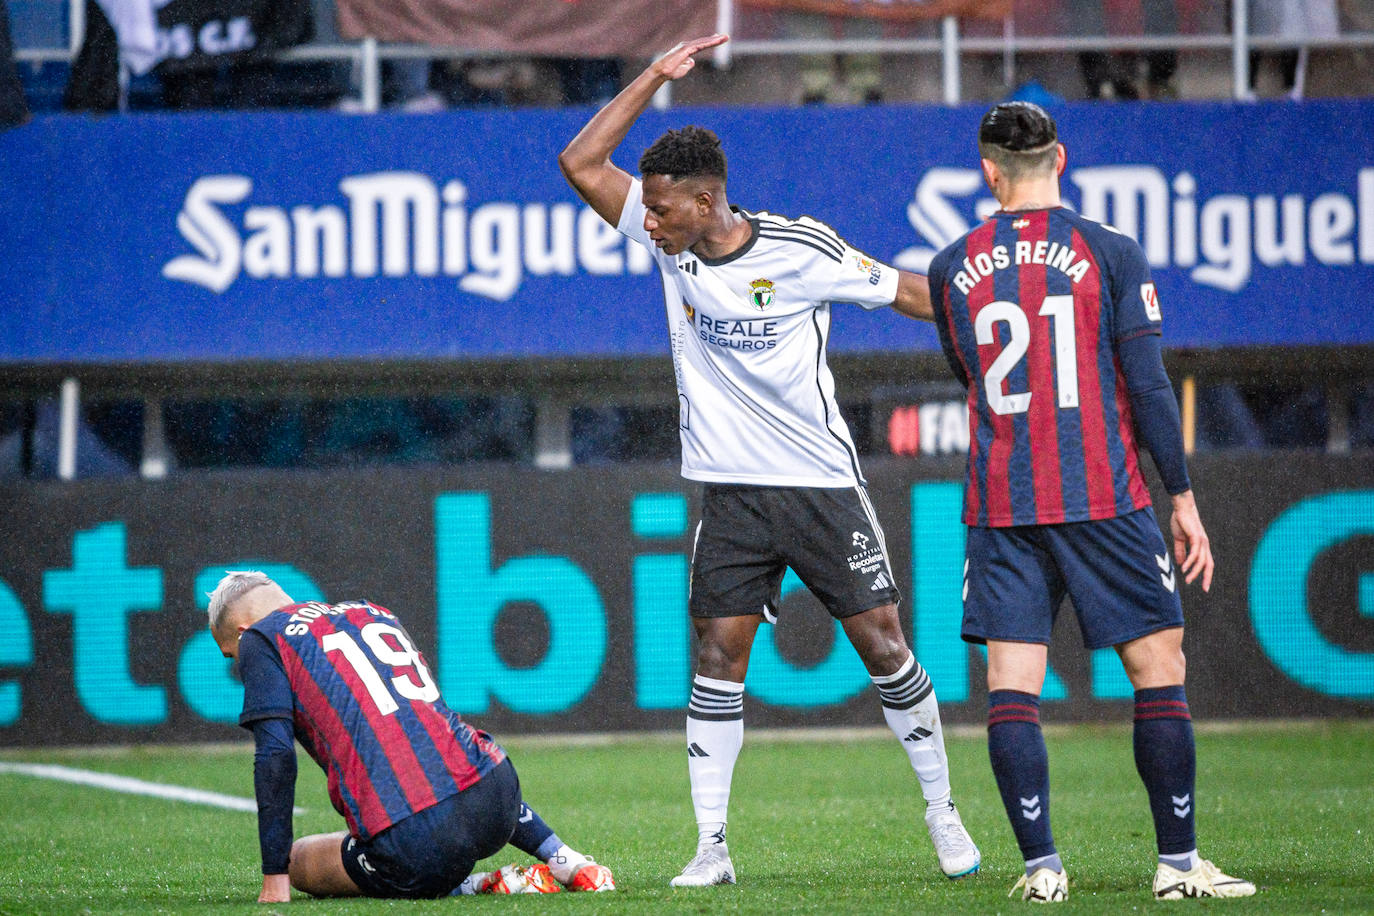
[705, 200]
[1061, 158]
[991, 175]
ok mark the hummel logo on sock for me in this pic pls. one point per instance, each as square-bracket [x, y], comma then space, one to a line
[1182, 805]
[694, 750]
[1030, 808]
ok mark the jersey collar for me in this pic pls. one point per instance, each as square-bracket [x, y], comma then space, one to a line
[742, 250]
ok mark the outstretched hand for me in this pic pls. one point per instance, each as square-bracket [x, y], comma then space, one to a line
[678, 62]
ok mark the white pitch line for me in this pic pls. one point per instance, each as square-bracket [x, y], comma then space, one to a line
[133, 786]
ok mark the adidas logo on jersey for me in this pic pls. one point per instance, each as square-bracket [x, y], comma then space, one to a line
[880, 582]
[688, 267]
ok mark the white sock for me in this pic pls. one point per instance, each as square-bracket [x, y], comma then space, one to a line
[564, 862]
[911, 712]
[715, 734]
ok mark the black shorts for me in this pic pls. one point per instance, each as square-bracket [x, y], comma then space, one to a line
[430, 852]
[748, 536]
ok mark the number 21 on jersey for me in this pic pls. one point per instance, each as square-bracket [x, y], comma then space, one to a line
[1017, 340]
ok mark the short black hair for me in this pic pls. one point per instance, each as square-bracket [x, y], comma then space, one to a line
[1017, 127]
[693, 152]
[1020, 137]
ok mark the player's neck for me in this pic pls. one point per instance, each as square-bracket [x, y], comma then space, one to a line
[729, 234]
[1031, 195]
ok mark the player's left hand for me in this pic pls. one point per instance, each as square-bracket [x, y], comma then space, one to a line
[275, 889]
[1192, 548]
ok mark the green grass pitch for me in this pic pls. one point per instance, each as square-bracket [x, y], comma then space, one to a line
[821, 822]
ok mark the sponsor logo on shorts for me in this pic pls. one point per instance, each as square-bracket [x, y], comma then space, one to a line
[868, 557]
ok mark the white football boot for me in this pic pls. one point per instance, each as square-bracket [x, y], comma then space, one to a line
[1042, 886]
[958, 856]
[1204, 881]
[711, 866]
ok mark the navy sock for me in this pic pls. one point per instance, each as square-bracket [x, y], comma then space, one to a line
[532, 834]
[1166, 759]
[1016, 747]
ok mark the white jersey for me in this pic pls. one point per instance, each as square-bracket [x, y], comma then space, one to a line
[748, 334]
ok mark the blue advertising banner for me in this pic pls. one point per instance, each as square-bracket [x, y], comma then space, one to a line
[221, 237]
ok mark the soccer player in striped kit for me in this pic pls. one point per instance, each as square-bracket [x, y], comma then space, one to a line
[1052, 323]
[748, 298]
[425, 795]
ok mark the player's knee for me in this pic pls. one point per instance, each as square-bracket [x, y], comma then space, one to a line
[877, 637]
[885, 657]
[722, 659]
[1161, 668]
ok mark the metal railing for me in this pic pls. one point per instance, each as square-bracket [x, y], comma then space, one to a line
[366, 55]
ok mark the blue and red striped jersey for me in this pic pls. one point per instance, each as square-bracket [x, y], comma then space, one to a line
[1030, 307]
[365, 705]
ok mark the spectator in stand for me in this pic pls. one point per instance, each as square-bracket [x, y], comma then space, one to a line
[1115, 75]
[126, 38]
[1295, 20]
[588, 80]
[836, 78]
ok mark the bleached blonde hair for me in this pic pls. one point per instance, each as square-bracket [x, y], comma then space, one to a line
[234, 585]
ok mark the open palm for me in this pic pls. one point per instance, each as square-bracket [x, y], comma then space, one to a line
[678, 62]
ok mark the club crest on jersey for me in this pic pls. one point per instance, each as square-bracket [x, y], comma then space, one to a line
[1150, 297]
[691, 312]
[761, 293]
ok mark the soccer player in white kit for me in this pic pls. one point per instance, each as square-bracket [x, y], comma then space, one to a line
[748, 303]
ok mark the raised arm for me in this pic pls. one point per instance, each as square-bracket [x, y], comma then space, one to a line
[913, 296]
[586, 161]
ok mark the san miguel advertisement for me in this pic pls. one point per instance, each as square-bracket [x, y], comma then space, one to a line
[556, 601]
[222, 237]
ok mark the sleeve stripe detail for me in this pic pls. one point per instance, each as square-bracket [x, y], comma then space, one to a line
[818, 232]
[800, 240]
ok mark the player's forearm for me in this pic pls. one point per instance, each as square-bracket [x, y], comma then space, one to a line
[913, 296]
[1156, 416]
[274, 785]
[593, 145]
[1156, 411]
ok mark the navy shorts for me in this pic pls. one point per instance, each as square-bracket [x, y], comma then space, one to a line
[1118, 572]
[748, 536]
[430, 852]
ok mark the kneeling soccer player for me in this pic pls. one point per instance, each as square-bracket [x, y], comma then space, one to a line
[425, 795]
